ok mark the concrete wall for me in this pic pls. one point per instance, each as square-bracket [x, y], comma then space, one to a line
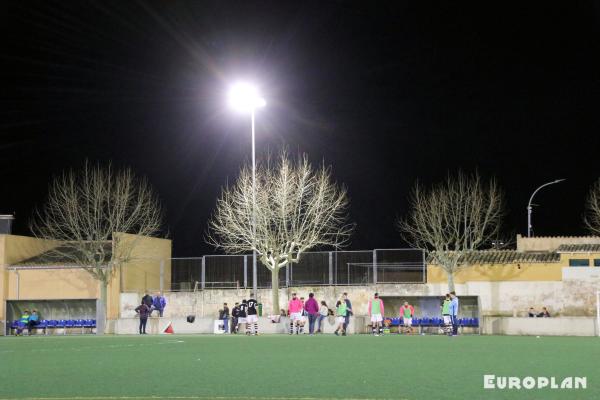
[206, 326]
[563, 326]
[573, 296]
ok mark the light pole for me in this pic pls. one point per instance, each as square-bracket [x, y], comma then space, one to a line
[245, 98]
[529, 209]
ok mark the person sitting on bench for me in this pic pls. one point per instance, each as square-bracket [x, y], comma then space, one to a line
[22, 323]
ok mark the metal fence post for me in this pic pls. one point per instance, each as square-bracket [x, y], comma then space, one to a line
[162, 275]
[203, 273]
[375, 267]
[254, 275]
[245, 272]
[330, 268]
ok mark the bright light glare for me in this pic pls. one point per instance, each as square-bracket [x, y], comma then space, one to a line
[244, 97]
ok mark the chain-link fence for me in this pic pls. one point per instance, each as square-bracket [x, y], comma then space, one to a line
[318, 268]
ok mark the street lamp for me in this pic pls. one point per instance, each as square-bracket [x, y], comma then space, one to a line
[245, 98]
[529, 209]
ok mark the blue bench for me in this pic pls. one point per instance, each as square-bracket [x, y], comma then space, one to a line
[71, 324]
[428, 322]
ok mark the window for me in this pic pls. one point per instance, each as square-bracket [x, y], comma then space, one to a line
[579, 262]
[597, 262]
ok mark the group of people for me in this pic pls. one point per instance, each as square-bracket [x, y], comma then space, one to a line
[450, 314]
[148, 305]
[376, 311]
[245, 314]
[313, 312]
[543, 314]
[449, 309]
[27, 320]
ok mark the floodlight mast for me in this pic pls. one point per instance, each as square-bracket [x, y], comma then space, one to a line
[530, 210]
[245, 98]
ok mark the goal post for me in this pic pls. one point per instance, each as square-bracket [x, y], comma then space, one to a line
[598, 313]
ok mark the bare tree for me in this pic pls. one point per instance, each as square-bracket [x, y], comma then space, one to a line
[452, 218]
[88, 212]
[592, 215]
[297, 208]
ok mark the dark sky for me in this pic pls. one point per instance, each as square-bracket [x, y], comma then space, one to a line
[387, 93]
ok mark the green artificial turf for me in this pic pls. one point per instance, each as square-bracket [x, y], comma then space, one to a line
[300, 367]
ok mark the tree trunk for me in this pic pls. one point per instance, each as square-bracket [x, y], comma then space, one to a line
[450, 281]
[101, 309]
[275, 290]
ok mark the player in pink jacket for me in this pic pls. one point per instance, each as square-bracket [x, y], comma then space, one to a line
[295, 308]
[376, 312]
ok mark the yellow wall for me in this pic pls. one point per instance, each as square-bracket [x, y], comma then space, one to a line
[499, 272]
[565, 257]
[140, 274]
[45, 284]
[14, 248]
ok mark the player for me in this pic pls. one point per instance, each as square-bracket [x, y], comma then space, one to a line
[295, 311]
[235, 314]
[406, 313]
[447, 329]
[376, 312]
[242, 315]
[303, 318]
[341, 311]
[252, 318]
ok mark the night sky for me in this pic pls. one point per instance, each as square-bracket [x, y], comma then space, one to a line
[387, 93]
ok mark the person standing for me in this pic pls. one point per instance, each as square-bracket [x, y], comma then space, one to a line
[341, 311]
[225, 318]
[446, 314]
[312, 309]
[295, 311]
[348, 312]
[454, 312]
[407, 312]
[144, 312]
[252, 318]
[323, 313]
[303, 318]
[376, 312]
[242, 315]
[159, 303]
[235, 313]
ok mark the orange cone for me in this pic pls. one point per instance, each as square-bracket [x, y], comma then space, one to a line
[169, 329]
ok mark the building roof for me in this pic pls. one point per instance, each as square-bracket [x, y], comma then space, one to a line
[579, 248]
[507, 257]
